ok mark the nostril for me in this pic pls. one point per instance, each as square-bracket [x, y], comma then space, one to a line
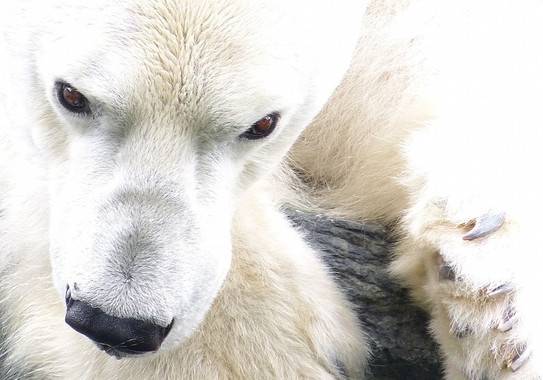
[125, 335]
[168, 329]
[68, 296]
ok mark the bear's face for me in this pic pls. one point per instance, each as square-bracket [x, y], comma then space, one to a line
[159, 117]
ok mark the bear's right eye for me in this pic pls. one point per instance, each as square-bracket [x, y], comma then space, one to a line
[71, 99]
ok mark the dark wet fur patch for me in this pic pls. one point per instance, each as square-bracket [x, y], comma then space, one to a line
[358, 256]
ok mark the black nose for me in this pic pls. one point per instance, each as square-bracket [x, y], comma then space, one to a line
[116, 336]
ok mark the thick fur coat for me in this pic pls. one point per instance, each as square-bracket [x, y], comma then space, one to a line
[158, 202]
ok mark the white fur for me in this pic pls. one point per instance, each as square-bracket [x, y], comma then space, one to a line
[435, 123]
[446, 129]
[153, 208]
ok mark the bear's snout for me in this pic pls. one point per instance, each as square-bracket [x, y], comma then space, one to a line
[116, 336]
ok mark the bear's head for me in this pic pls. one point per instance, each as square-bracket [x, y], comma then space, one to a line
[153, 119]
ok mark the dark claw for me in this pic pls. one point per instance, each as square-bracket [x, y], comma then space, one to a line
[446, 272]
[519, 359]
[484, 226]
[461, 333]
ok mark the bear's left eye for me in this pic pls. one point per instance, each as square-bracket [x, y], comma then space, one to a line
[262, 128]
[71, 99]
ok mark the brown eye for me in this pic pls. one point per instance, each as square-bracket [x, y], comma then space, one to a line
[71, 99]
[262, 128]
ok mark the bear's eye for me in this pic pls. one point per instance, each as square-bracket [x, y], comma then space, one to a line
[262, 128]
[71, 99]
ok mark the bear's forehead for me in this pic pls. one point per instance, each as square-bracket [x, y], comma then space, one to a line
[184, 47]
[193, 58]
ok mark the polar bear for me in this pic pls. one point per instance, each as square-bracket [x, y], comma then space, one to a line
[147, 147]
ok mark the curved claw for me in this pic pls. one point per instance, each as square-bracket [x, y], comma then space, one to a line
[508, 320]
[519, 360]
[484, 226]
[499, 290]
[506, 325]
